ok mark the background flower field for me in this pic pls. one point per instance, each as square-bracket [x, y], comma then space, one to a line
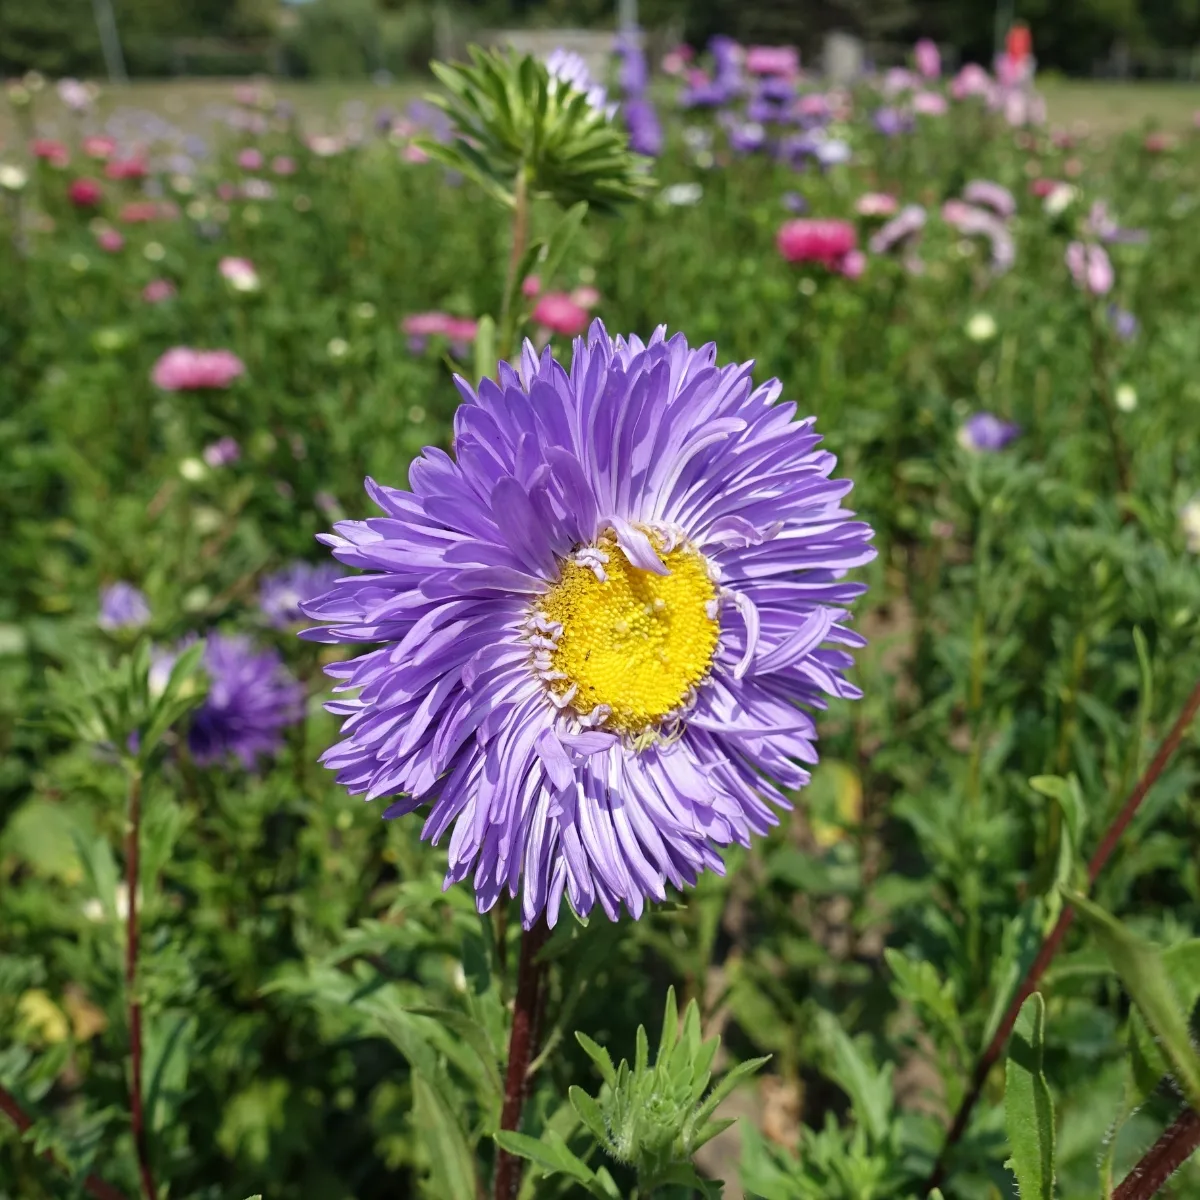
[321, 1019]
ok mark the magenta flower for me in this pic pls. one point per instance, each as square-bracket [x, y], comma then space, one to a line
[85, 193]
[773, 60]
[158, 290]
[50, 151]
[1090, 267]
[530, 286]
[821, 241]
[928, 58]
[184, 369]
[126, 168]
[557, 312]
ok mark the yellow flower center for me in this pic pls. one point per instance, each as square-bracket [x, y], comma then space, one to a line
[634, 642]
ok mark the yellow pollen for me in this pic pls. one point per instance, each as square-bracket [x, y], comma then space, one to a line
[638, 642]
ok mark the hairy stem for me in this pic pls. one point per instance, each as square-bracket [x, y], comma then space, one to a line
[132, 863]
[1163, 1159]
[94, 1186]
[526, 1018]
[1054, 940]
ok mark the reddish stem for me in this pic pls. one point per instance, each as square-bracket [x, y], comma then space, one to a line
[1108, 843]
[1163, 1159]
[92, 1185]
[136, 1111]
[520, 1052]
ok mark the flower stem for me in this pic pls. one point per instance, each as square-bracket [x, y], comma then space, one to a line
[520, 1050]
[1163, 1159]
[136, 1112]
[93, 1185]
[1100, 376]
[520, 236]
[1054, 940]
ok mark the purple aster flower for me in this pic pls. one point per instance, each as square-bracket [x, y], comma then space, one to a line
[281, 594]
[122, 606]
[603, 624]
[745, 137]
[222, 452]
[985, 433]
[900, 230]
[252, 698]
[1124, 323]
[634, 75]
[794, 202]
[776, 89]
[891, 121]
[569, 69]
[991, 195]
[645, 132]
[1103, 225]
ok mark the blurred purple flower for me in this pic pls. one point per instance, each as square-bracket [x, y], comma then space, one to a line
[282, 593]
[1090, 267]
[891, 121]
[122, 606]
[645, 131]
[900, 230]
[794, 202]
[222, 452]
[991, 195]
[252, 698]
[1125, 324]
[985, 433]
[1103, 225]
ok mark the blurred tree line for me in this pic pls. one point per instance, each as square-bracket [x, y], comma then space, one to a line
[348, 38]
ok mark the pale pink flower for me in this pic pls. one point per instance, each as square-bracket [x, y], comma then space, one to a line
[50, 151]
[75, 95]
[158, 290]
[239, 273]
[929, 104]
[1090, 267]
[183, 369]
[412, 153]
[109, 240]
[250, 159]
[530, 286]
[133, 167]
[586, 297]
[853, 264]
[557, 312]
[972, 80]
[281, 164]
[98, 146]
[222, 452]
[875, 204]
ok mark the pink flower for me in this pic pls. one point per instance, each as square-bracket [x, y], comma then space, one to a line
[75, 95]
[281, 164]
[98, 146]
[557, 312]
[183, 369]
[875, 204]
[250, 159]
[696, 77]
[929, 104]
[325, 145]
[1042, 187]
[972, 80]
[226, 191]
[138, 212]
[109, 240]
[461, 330]
[85, 193]
[896, 80]
[239, 273]
[427, 324]
[412, 153]
[821, 241]
[126, 168]
[50, 151]
[675, 61]
[853, 264]
[530, 286]
[586, 297]
[1090, 267]
[928, 58]
[773, 60]
[158, 290]
[1159, 143]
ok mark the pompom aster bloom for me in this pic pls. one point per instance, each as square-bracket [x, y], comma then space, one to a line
[183, 369]
[604, 624]
[252, 698]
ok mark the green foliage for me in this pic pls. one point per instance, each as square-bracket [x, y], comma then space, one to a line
[519, 128]
[1028, 1108]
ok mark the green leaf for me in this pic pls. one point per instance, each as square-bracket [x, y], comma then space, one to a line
[1182, 964]
[589, 1113]
[1141, 970]
[451, 1161]
[1028, 1109]
[473, 1034]
[559, 241]
[100, 868]
[553, 1156]
[1069, 797]
[485, 348]
[169, 1038]
[600, 1057]
[870, 1091]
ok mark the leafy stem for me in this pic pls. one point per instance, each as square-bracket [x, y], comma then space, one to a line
[1163, 1159]
[1054, 940]
[136, 1109]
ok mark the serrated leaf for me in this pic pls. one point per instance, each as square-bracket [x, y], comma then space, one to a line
[589, 1113]
[1140, 968]
[1028, 1109]
[600, 1057]
[728, 1083]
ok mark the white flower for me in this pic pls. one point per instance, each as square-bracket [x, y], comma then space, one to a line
[981, 327]
[832, 151]
[1126, 397]
[682, 194]
[338, 348]
[193, 469]
[1060, 199]
[12, 177]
